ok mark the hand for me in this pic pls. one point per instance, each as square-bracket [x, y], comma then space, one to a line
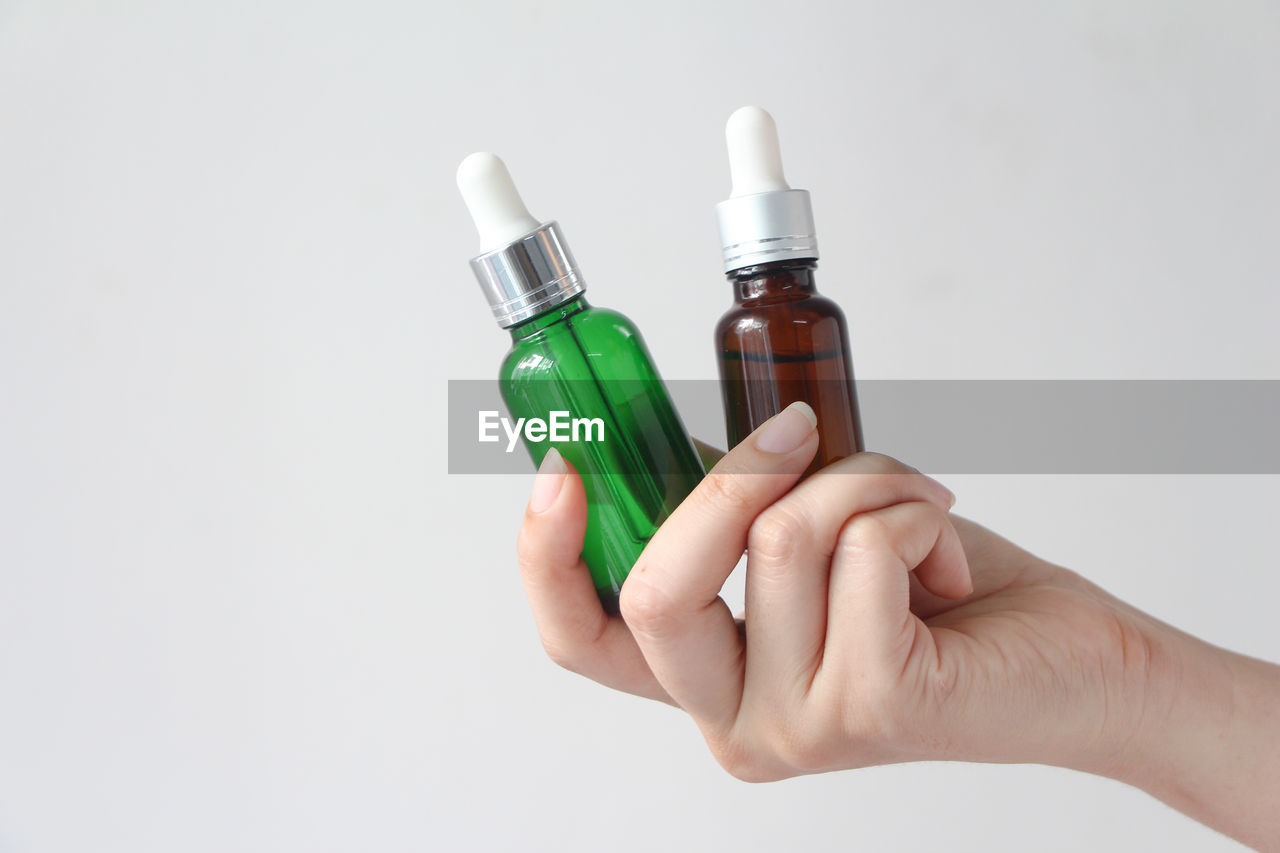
[838, 667]
[879, 629]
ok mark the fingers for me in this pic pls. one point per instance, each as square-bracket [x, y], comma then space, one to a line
[791, 545]
[671, 598]
[574, 628]
[994, 563]
[869, 596]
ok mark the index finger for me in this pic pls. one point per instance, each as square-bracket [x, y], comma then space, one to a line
[671, 600]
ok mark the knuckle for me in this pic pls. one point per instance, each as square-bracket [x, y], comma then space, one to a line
[776, 533]
[645, 607]
[572, 644]
[525, 555]
[878, 463]
[781, 741]
[727, 491]
[812, 739]
[864, 534]
[803, 748]
[564, 656]
[538, 571]
[744, 762]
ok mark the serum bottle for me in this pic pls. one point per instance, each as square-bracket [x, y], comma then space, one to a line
[566, 356]
[781, 342]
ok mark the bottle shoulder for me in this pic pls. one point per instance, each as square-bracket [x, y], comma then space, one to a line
[606, 321]
[763, 314]
[603, 337]
[512, 361]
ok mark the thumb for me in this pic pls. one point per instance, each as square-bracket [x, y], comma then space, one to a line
[575, 630]
[556, 579]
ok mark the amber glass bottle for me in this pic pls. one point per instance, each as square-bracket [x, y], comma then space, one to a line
[784, 342]
[781, 342]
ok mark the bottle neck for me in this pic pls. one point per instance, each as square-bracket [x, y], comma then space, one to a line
[779, 281]
[563, 311]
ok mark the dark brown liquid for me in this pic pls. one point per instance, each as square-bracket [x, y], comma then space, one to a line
[783, 342]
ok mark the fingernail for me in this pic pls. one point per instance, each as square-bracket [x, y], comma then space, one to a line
[943, 493]
[788, 430]
[546, 486]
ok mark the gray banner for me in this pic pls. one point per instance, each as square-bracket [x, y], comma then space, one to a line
[971, 426]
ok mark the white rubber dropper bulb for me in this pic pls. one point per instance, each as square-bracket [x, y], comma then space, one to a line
[493, 201]
[755, 158]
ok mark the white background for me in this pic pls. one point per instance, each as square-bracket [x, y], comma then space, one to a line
[243, 606]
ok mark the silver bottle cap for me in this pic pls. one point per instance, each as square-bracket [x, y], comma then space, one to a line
[524, 278]
[764, 227]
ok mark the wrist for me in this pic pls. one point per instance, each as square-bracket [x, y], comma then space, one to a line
[1205, 738]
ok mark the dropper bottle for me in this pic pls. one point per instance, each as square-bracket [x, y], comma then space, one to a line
[781, 342]
[589, 363]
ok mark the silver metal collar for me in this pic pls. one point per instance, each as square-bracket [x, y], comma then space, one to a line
[769, 226]
[529, 276]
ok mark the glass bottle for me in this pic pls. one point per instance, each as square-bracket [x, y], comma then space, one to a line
[782, 341]
[636, 460]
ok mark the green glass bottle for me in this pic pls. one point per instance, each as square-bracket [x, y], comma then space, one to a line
[586, 365]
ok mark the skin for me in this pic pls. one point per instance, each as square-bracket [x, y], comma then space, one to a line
[881, 628]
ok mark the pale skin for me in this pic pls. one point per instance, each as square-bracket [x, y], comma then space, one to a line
[881, 628]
